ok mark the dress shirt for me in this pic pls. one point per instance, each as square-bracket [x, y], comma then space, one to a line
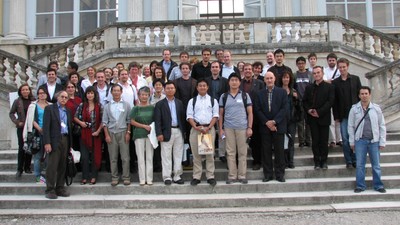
[172, 108]
[51, 88]
[166, 66]
[63, 119]
[227, 70]
[203, 111]
[116, 108]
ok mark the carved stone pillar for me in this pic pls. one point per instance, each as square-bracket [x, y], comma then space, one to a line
[135, 10]
[309, 7]
[284, 8]
[17, 23]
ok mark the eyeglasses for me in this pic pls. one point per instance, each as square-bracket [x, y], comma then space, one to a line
[41, 93]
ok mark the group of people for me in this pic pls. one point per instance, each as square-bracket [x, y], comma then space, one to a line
[156, 114]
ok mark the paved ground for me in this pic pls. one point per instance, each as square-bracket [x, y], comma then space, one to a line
[297, 218]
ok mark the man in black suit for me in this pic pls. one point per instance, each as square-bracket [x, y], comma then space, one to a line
[57, 139]
[253, 86]
[217, 86]
[51, 86]
[317, 101]
[169, 118]
[271, 109]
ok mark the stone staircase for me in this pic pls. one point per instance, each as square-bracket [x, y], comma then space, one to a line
[304, 188]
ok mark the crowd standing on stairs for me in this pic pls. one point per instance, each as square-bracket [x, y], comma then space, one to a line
[169, 116]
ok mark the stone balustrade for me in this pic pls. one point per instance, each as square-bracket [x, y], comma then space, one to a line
[15, 71]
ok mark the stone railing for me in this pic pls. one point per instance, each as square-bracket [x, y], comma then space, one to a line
[384, 83]
[174, 34]
[15, 70]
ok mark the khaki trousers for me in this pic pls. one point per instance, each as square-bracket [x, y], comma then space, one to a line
[197, 164]
[144, 152]
[116, 147]
[236, 144]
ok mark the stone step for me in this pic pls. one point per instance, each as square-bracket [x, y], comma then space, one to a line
[254, 186]
[334, 171]
[299, 160]
[181, 201]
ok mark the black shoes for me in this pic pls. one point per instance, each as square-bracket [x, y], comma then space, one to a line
[195, 182]
[243, 181]
[256, 166]
[28, 171]
[62, 193]
[267, 179]
[324, 166]
[211, 181]
[381, 190]
[301, 145]
[231, 181]
[291, 166]
[316, 167]
[51, 195]
[180, 181]
[358, 190]
[223, 159]
[281, 179]
[167, 182]
[18, 174]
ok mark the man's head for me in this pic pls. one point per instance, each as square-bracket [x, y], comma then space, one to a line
[170, 89]
[53, 65]
[234, 80]
[120, 65]
[167, 55]
[257, 68]
[269, 79]
[270, 58]
[227, 57]
[51, 76]
[365, 94]
[318, 73]
[123, 76]
[62, 97]
[72, 67]
[215, 68]
[202, 87]
[158, 85]
[331, 60]
[248, 71]
[184, 57]
[279, 56]
[312, 59]
[219, 55]
[134, 69]
[100, 77]
[185, 69]
[206, 54]
[116, 91]
[301, 63]
[343, 66]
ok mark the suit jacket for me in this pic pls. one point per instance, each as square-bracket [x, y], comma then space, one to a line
[256, 87]
[52, 126]
[320, 97]
[59, 87]
[343, 103]
[278, 76]
[163, 120]
[279, 108]
[173, 64]
[223, 87]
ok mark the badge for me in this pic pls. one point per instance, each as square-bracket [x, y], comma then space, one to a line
[63, 124]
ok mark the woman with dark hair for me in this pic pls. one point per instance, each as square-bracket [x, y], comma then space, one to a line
[293, 116]
[115, 73]
[72, 104]
[141, 118]
[74, 78]
[20, 107]
[88, 115]
[153, 65]
[158, 74]
[240, 66]
[34, 121]
[91, 74]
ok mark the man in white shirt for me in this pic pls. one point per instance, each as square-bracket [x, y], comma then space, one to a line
[270, 62]
[101, 87]
[134, 76]
[228, 67]
[202, 116]
[129, 92]
[51, 86]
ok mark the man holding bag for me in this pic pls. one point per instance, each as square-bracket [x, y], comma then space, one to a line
[202, 114]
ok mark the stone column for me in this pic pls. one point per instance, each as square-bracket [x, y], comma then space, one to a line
[284, 8]
[309, 7]
[135, 10]
[159, 10]
[1, 18]
[17, 20]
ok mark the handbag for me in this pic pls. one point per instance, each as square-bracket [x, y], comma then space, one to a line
[76, 129]
[71, 170]
[205, 144]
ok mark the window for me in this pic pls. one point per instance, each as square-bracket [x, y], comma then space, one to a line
[221, 8]
[60, 18]
[382, 13]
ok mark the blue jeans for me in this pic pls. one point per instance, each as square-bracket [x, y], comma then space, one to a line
[37, 169]
[363, 147]
[349, 155]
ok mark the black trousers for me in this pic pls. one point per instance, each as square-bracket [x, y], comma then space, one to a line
[272, 141]
[255, 144]
[319, 135]
[24, 160]
[56, 166]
